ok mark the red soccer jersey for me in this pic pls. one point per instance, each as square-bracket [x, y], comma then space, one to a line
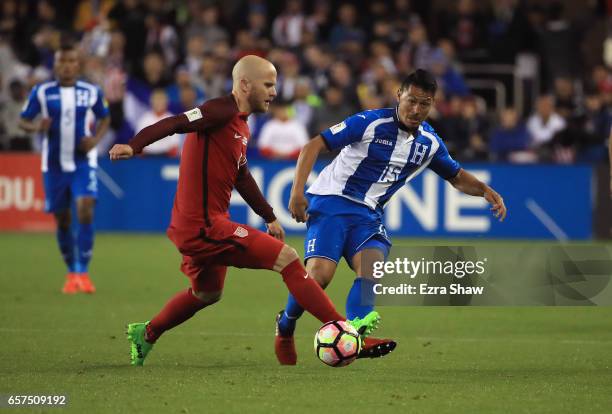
[213, 162]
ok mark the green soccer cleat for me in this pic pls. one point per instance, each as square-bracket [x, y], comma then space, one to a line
[139, 347]
[367, 325]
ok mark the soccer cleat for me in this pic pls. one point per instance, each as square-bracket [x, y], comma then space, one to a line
[284, 346]
[376, 348]
[139, 347]
[85, 284]
[367, 325]
[71, 285]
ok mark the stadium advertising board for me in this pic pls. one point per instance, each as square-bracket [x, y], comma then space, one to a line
[544, 201]
[22, 195]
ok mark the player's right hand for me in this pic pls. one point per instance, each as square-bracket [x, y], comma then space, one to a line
[298, 204]
[121, 152]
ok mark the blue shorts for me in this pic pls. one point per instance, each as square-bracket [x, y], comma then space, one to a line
[338, 227]
[63, 187]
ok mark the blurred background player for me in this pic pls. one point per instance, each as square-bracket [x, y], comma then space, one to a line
[213, 163]
[69, 158]
[382, 149]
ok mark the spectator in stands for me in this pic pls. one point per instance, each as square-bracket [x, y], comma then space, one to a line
[182, 80]
[139, 88]
[417, 48]
[598, 115]
[210, 78]
[13, 137]
[317, 64]
[205, 25]
[305, 102]
[289, 73]
[319, 23]
[288, 27]
[334, 109]
[168, 146]
[545, 122]
[346, 35]
[194, 53]
[510, 141]
[567, 99]
[282, 137]
[342, 77]
[448, 77]
[559, 44]
[129, 17]
[466, 27]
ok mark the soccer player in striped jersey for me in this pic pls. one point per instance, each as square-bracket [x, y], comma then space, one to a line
[66, 108]
[381, 150]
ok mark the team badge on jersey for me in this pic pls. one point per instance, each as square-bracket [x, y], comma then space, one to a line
[241, 232]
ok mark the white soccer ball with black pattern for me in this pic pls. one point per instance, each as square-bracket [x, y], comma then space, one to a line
[337, 343]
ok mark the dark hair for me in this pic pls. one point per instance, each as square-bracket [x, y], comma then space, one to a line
[67, 46]
[421, 79]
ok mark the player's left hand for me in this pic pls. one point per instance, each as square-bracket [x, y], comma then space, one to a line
[276, 230]
[87, 144]
[497, 204]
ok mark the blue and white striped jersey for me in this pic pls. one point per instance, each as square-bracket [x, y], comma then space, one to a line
[378, 156]
[72, 110]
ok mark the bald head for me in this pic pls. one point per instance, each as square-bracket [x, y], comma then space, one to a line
[251, 67]
[254, 83]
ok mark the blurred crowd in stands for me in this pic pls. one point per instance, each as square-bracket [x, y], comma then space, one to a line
[154, 58]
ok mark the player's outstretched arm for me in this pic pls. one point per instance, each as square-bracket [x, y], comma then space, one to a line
[468, 184]
[309, 154]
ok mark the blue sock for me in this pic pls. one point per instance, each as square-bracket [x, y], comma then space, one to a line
[65, 240]
[360, 299]
[85, 238]
[292, 313]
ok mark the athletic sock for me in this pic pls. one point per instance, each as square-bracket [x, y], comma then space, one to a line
[288, 319]
[360, 299]
[308, 293]
[85, 239]
[65, 240]
[178, 309]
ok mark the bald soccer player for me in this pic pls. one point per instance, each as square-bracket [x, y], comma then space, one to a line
[213, 163]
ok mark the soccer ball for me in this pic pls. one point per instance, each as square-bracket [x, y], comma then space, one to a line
[337, 343]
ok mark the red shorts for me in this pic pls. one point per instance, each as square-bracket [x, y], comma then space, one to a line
[207, 253]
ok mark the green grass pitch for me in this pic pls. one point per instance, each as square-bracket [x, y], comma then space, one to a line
[449, 360]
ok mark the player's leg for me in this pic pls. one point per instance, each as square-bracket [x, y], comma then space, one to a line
[320, 269]
[206, 288]
[85, 241]
[57, 201]
[361, 299]
[323, 244]
[85, 190]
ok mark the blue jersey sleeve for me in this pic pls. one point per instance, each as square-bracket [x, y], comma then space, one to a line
[100, 107]
[32, 105]
[443, 164]
[346, 132]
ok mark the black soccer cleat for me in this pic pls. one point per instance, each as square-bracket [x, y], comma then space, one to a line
[376, 348]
